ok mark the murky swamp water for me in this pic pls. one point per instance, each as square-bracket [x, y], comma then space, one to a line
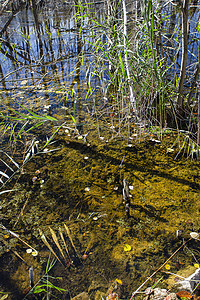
[80, 184]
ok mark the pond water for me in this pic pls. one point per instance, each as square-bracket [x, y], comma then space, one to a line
[74, 185]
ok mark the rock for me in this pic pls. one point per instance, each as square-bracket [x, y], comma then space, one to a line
[82, 296]
[157, 294]
[190, 282]
[171, 296]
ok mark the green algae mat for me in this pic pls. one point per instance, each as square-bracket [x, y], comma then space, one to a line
[80, 187]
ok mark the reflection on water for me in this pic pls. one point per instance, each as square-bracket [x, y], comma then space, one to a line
[45, 55]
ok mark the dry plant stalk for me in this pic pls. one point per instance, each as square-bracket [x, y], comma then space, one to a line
[69, 235]
[48, 245]
[54, 237]
[62, 237]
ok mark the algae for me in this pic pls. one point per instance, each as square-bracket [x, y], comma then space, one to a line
[86, 194]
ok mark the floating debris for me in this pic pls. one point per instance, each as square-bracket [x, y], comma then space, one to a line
[118, 281]
[194, 235]
[170, 150]
[183, 295]
[34, 178]
[167, 267]
[29, 250]
[127, 247]
[35, 253]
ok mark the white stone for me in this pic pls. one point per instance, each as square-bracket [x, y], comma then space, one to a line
[194, 235]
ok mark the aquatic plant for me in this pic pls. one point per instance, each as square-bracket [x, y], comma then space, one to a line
[44, 286]
[20, 125]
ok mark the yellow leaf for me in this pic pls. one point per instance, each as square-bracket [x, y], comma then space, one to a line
[118, 281]
[196, 266]
[127, 247]
[167, 267]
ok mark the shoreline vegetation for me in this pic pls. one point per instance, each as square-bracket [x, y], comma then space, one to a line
[99, 148]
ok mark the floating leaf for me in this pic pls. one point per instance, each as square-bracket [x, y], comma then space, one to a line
[167, 267]
[184, 295]
[118, 281]
[196, 266]
[127, 247]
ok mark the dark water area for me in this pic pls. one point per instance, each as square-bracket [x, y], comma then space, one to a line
[71, 191]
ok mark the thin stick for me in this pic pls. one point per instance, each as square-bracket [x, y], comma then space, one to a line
[16, 253]
[21, 212]
[17, 236]
[158, 269]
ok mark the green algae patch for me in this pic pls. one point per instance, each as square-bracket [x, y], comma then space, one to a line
[81, 185]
